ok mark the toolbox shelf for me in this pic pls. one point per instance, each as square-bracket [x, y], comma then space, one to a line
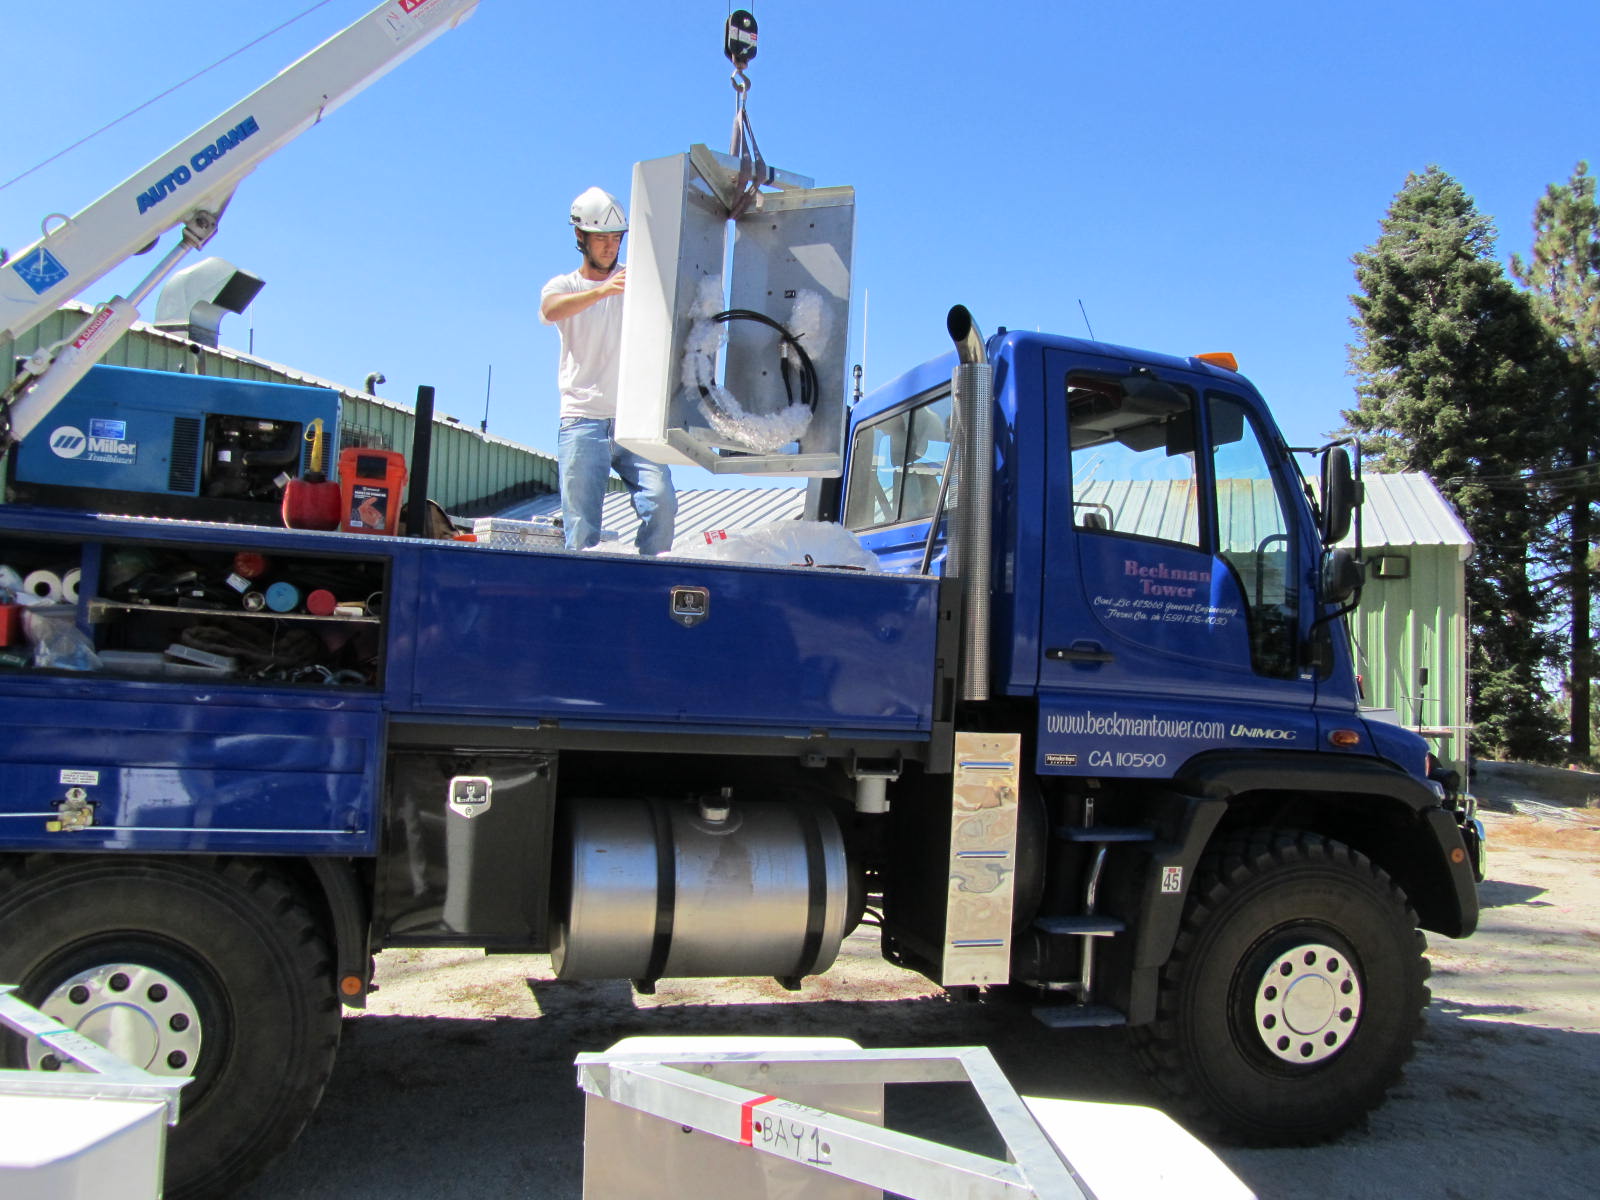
[100, 609]
[154, 610]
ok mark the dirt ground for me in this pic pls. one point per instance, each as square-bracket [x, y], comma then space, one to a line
[458, 1081]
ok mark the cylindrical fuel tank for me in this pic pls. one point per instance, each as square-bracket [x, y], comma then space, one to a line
[664, 889]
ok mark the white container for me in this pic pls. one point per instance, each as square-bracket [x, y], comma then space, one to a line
[53, 1148]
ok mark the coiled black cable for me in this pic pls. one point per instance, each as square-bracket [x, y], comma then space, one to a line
[786, 370]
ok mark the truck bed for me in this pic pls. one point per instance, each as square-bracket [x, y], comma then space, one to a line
[459, 635]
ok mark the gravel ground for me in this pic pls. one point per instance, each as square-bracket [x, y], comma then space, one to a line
[458, 1081]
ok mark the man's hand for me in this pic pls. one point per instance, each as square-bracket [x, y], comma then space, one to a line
[558, 306]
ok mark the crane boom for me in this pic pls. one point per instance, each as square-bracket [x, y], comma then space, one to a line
[188, 186]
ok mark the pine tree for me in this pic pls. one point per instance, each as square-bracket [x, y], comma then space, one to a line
[1563, 278]
[1455, 380]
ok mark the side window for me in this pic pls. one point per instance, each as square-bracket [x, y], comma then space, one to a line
[897, 465]
[1255, 536]
[1133, 458]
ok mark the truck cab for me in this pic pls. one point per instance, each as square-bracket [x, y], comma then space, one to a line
[1167, 636]
[1156, 565]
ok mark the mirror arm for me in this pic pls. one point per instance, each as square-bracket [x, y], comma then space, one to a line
[1307, 646]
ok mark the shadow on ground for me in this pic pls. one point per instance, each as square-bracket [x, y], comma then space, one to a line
[465, 1108]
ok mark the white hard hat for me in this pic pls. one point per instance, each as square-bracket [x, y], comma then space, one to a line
[599, 212]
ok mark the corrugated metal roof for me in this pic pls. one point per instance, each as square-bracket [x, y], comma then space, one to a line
[1400, 510]
[1159, 508]
[699, 510]
[1408, 510]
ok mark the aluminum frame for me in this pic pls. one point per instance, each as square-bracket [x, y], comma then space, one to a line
[108, 1077]
[730, 1096]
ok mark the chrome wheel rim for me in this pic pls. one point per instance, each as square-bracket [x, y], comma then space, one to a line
[140, 1014]
[1308, 1004]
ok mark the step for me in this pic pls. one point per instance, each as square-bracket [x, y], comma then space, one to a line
[1078, 1016]
[1092, 925]
[1104, 833]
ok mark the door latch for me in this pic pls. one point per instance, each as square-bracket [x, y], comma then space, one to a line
[1080, 652]
[690, 605]
[74, 813]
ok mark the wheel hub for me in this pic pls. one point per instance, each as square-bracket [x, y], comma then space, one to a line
[1308, 1003]
[138, 1013]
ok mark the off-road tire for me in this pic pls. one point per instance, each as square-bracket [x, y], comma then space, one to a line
[1269, 909]
[247, 957]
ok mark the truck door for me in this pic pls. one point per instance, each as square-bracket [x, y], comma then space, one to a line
[1174, 575]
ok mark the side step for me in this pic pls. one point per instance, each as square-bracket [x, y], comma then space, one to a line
[1090, 925]
[1104, 833]
[1079, 1016]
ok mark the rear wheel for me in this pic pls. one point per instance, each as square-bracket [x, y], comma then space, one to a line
[1293, 995]
[185, 968]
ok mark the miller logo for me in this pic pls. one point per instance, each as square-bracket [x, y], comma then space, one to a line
[68, 441]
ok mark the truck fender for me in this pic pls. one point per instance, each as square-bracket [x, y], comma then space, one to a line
[1163, 893]
[349, 928]
[1414, 837]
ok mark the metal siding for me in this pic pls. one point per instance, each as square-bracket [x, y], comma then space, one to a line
[1420, 621]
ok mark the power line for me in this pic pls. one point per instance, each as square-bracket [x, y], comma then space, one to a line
[162, 96]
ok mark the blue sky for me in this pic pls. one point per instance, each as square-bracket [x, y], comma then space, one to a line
[1198, 176]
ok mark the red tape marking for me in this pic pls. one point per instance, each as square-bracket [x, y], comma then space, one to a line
[747, 1118]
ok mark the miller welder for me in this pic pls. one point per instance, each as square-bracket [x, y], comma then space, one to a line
[157, 443]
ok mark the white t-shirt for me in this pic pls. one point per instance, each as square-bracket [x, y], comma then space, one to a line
[591, 345]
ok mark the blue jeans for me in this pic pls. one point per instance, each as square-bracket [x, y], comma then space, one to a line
[587, 455]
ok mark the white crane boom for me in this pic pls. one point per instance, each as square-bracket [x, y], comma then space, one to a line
[188, 186]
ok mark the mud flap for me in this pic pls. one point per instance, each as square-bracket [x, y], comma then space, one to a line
[983, 855]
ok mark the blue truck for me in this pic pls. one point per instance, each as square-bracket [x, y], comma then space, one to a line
[1089, 741]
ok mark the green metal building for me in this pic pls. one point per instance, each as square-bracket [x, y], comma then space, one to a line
[1410, 630]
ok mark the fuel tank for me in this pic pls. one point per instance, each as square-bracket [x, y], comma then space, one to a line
[658, 888]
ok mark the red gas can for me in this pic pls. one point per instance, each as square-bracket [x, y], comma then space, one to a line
[370, 486]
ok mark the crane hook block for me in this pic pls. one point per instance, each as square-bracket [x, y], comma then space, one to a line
[739, 38]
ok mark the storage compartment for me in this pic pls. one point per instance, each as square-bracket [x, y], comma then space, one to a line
[466, 850]
[32, 571]
[163, 609]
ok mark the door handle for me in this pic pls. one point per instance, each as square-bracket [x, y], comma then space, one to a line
[1080, 652]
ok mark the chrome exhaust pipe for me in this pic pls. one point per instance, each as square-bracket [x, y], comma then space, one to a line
[972, 400]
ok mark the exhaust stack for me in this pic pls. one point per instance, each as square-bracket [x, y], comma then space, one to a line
[972, 399]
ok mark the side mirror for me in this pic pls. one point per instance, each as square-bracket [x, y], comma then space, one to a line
[1339, 494]
[1342, 576]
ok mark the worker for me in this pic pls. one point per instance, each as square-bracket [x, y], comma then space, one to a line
[585, 306]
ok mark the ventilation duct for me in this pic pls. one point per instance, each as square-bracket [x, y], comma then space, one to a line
[195, 299]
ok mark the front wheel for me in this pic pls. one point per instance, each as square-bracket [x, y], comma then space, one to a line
[1293, 995]
[184, 968]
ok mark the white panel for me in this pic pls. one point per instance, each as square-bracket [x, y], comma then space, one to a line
[53, 1147]
[677, 230]
[797, 242]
